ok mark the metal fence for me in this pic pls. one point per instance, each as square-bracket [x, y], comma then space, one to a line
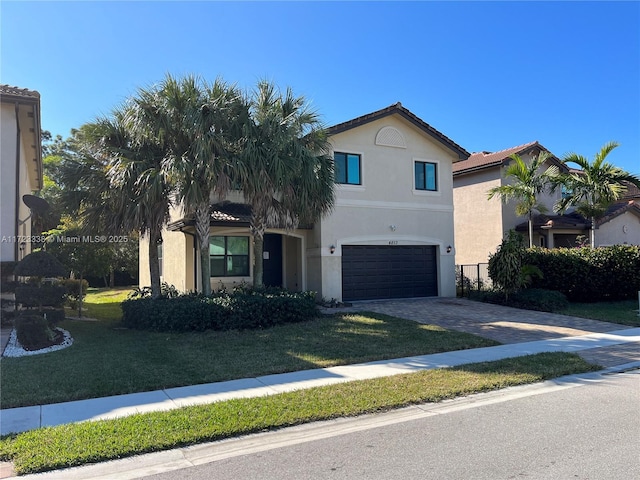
[472, 278]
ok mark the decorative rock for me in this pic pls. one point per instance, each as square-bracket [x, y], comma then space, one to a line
[14, 349]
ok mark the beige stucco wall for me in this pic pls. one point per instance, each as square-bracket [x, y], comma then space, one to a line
[386, 209]
[478, 220]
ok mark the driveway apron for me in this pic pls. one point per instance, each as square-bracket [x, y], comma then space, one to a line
[502, 324]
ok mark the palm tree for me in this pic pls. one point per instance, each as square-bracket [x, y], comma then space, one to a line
[284, 170]
[117, 182]
[196, 123]
[596, 186]
[529, 181]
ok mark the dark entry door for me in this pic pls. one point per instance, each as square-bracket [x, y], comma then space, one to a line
[371, 271]
[272, 260]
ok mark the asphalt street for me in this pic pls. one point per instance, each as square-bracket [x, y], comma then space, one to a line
[586, 431]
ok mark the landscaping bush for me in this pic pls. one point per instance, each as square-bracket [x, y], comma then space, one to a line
[240, 309]
[34, 332]
[588, 275]
[529, 299]
[35, 296]
[54, 315]
[73, 292]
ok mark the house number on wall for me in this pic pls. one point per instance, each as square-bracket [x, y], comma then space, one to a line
[393, 242]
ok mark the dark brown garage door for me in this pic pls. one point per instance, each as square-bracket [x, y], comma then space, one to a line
[370, 272]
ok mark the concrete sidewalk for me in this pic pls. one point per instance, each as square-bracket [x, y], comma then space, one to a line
[623, 346]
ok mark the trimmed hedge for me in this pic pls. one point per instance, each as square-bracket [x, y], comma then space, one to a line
[529, 299]
[246, 309]
[586, 274]
[34, 296]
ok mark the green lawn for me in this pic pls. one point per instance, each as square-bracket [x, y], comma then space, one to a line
[102, 303]
[108, 360]
[88, 442]
[622, 312]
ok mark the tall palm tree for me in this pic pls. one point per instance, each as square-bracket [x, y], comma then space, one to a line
[284, 170]
[195, 121]
[596, 186]
[529, 181]
[117, 182]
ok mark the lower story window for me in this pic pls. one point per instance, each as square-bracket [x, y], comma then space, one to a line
[229, 256]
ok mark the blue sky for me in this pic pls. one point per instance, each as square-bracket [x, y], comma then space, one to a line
[490, 75]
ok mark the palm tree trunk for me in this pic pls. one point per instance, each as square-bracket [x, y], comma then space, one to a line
[154, 264]
[80, 300]
[593, 232]
[530, 231]
[258, 252]
[203, 223]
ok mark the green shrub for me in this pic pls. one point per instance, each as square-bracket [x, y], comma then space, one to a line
[506, 264]
[240, 309]
[35, 296]
[33, 332]
[73, 291]
[529, 299]
[54, 315]
[589, 275]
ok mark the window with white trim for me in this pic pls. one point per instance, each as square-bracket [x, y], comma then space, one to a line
[348, 168]
[426, 176]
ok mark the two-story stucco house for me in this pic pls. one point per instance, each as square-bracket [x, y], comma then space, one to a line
[390, 235]
[480, 224]
[21, 157]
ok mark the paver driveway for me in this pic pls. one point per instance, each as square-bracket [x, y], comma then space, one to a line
[503, 324]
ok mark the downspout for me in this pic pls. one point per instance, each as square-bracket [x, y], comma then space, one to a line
[17, 190]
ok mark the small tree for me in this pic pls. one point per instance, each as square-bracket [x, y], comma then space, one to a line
[529, 182]
[506, 267]
[595, 186]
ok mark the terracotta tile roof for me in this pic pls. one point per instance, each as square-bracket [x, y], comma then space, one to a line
[571, 220]
[12, 93]
[618, 209]
[576, 221]
[230, 212]
[632, 191]
[481, 160]
[397, 108]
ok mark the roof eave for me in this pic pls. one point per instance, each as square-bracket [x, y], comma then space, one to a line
[407, 115]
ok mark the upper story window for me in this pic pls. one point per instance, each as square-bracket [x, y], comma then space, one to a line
[426, 176]
[229, 256]
[347, 168]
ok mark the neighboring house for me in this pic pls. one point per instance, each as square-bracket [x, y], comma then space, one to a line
[21, 157]
[390, 234]
[480, 224]
[620, 224]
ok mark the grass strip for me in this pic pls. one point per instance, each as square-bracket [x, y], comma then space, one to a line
[80, 443]
[624, 312]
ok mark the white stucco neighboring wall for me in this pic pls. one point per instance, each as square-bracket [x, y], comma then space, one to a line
[23, 155]
[621, 230]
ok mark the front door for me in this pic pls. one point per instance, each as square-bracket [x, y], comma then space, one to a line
[272, 260]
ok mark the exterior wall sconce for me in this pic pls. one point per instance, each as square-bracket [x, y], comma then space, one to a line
[392, 228]
[332, 249]
[449, 249]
